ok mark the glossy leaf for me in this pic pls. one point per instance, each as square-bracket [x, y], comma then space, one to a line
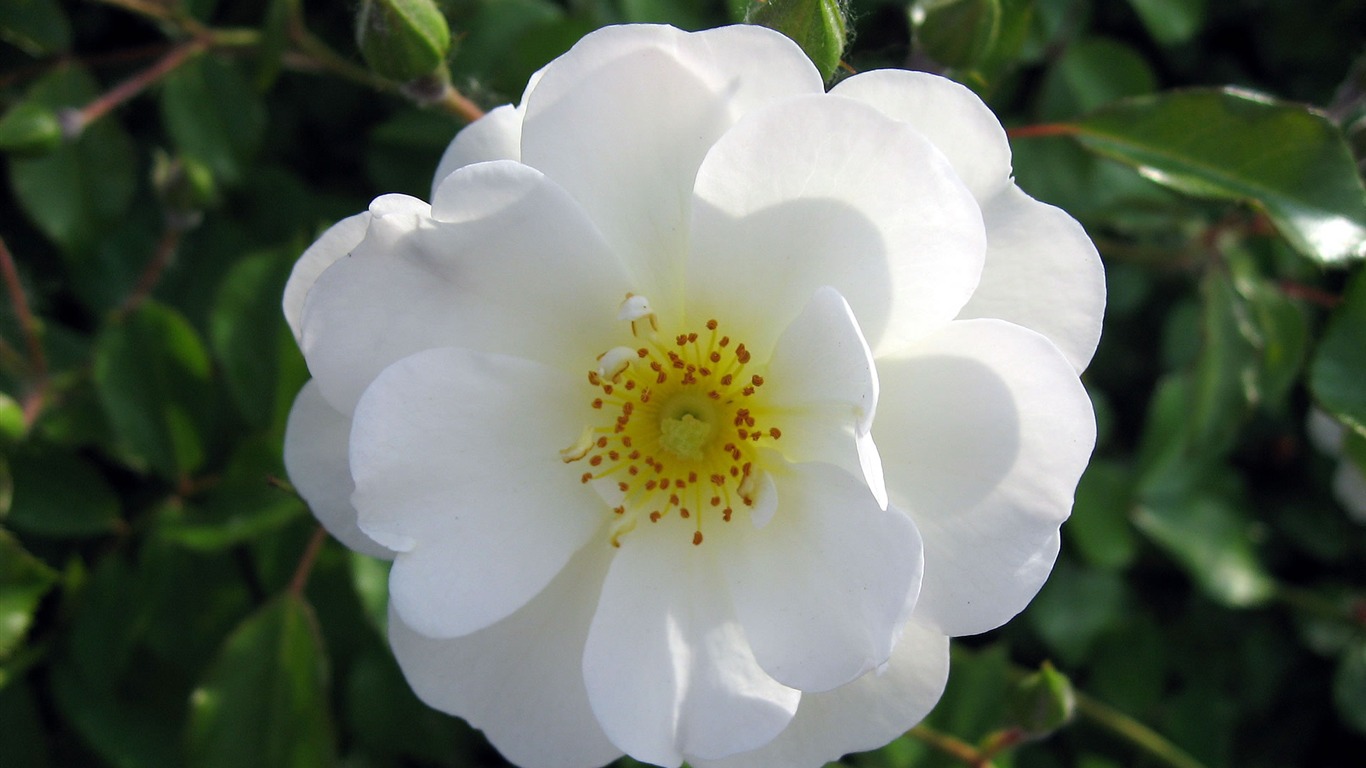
[151, 371]
[1091, 73]
[24, 579]
[213, 115]
[264, 699]
[957, 33]
[74, 192]
[1099, 525]
[59, 494]
[1228, 144]
[1210, 538]
[1339, 368]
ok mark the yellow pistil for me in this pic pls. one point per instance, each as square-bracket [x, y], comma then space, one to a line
[681, 424]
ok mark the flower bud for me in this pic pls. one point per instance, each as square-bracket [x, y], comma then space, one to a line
[402, 40]
[1042, 702]
[30, 129]
[818, 26]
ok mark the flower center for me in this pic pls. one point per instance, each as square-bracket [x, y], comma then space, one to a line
[682, 422]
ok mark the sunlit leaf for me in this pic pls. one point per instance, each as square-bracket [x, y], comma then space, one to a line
[24, 579]
[1338, 375]
[1210, 538]
[1289, 161]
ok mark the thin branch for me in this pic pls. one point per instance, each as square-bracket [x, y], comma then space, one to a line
[952, 746]
[28, 325]
[1309, 293]
[153, 270]
[75, 121]
[1041, 130]
[306, 561]
[1136, 733]
[456, 103]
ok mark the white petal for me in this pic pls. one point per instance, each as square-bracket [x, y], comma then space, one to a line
[456, 460]
[495, 136]
[521, 680]
[822, 382]
[505, 262]
[865, 714]
[823, 590]
[826, 191]
[316, 444]
[669, 673]
[1042, 272]
[984, 430]
[623, 120]
[335, 243]
[948, 114]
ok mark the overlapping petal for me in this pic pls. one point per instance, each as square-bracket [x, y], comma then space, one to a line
[669, 672]
[596, 124]
[824, 589]
[823, 191]
[521, 680]
[503, 262]
[950, 115]
[453, 459]
[316, 447]
[984, 431]
[495, 136]
[1042, 272]
[865, 714]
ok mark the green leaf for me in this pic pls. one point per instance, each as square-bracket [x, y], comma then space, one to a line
[1091, 73]
[957, 33]
[248, 331]
[1339, 368]
[1211, 539]
[24, 579]
[241, 507]
[1099, 526]
[26, 741]
[76, 191]
[264, 700]
[29, 129]
[1171, 22]
[818, 26]
[36, 27]
[1075, 607]
[213, 115]
[61, 495]
[1290, 162]
[403, 150]
[151, 372]
[1349, 687]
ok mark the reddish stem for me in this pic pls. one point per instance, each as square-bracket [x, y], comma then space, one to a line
[306, 561]
[1042, 130]
[33, 402]
[152, 272]
[1310, 294]
[101, 106]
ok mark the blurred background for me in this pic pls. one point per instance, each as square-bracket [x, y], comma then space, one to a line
[166, 600]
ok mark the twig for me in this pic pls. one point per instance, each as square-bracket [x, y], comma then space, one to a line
[1136, 733]
[1309, 293]
[306, 561]
[28, 325]
[456, 103]
[952, 746]
[1041, 130]
[75, 121]
[152, 271]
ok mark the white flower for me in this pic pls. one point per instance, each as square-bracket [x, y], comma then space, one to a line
[1349, 484]
[700, 406]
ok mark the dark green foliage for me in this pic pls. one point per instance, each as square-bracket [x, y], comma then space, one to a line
[1211, 589]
